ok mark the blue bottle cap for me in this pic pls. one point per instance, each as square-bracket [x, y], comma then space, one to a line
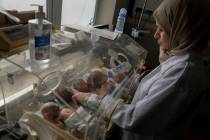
[109, 73]
[123, 12]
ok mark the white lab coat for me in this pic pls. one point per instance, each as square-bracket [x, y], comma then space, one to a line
[165, 100]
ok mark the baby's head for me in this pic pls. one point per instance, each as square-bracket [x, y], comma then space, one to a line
[65, 94]
[50, 111]
[80, 85]
[96, 79]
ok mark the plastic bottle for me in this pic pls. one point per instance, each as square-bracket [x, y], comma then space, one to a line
[111, 73]
[39, 38]
[121, 20]
[94, 37]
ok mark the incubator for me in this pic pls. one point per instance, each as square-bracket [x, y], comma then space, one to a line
[40, 102]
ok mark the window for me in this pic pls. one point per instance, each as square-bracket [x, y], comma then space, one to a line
[21, 5]
[62, 12]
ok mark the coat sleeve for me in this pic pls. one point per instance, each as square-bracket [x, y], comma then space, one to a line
[167, 100]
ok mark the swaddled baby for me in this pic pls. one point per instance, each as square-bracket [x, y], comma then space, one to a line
[66, 115]
[66, 118]
[52, 112]
[80, 85]
[98, 82]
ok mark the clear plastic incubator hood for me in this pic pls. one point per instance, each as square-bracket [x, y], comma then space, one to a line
[38, 104]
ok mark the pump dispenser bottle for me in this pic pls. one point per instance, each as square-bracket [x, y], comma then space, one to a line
[39, 38]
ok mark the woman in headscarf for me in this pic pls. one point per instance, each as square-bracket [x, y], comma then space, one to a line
[168, 97]
[186, 24]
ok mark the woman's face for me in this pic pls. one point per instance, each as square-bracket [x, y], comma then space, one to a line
[162, 37]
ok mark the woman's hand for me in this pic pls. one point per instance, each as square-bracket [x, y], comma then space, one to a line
[65, 113]
[59, 124]
[79, 96]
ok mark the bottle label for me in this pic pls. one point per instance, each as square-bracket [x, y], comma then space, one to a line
[120, 24]
[42, 47]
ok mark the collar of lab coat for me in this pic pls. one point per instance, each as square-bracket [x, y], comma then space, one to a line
[174, 61]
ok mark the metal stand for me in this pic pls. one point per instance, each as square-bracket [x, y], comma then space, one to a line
[136, 31]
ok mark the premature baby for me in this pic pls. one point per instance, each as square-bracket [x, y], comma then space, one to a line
[62, 93]
[51, 112]
[98, 82]
[66, 118]
[80, 85]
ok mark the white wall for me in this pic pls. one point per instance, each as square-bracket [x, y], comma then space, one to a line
[77, 11]
[105, 11]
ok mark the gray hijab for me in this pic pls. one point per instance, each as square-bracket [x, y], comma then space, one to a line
[187, 22]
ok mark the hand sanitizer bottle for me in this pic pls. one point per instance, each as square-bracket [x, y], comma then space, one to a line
[39, 38]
